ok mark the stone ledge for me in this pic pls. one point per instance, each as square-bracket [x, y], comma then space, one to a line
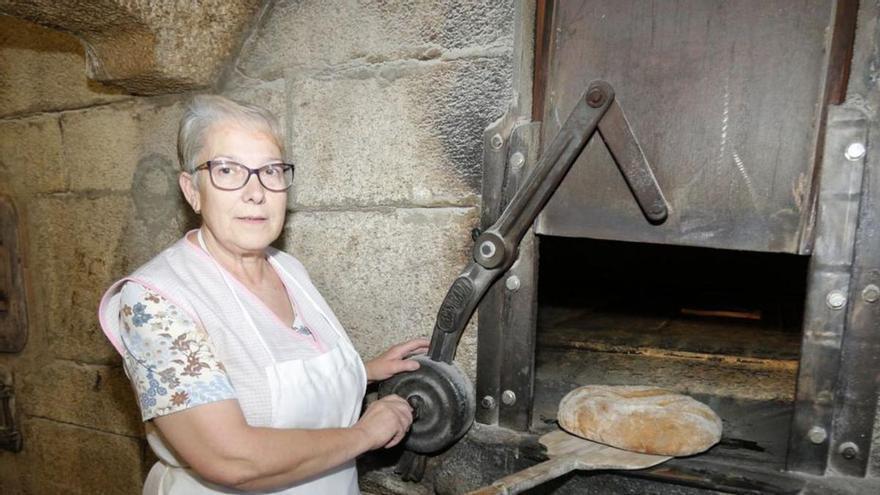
[147, 47]
[43, 71]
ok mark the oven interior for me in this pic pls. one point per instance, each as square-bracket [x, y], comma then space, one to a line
[722, 326]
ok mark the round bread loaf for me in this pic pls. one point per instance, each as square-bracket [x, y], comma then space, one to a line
[641, 419]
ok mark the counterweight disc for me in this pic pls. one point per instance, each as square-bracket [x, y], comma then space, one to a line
[444, 401]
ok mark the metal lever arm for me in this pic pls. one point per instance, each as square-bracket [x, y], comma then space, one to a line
[459, 304]
[440, 392]
[630, 159]
[495, 249]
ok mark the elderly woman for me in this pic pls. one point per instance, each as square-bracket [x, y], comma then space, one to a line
[245, 378]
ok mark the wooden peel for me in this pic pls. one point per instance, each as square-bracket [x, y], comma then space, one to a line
[647, 419]
[568, 453]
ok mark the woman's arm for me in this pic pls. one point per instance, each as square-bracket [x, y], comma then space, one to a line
[220, 446]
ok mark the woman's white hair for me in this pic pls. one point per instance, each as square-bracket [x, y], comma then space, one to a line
[205, 111]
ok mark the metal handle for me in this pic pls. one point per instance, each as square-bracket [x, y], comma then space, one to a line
[495, 249]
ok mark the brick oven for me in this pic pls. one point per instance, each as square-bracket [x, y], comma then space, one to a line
[756, 292]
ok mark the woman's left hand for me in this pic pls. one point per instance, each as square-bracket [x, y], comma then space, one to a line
[394, 360]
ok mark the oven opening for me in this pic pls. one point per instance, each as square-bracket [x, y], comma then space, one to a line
[721, 326]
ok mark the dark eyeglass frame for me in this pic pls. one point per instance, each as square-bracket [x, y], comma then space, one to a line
[210, 164]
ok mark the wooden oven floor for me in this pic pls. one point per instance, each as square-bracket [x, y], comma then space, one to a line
[745, 370]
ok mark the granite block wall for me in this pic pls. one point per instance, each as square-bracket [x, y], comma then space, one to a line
[92, 175]
[383, 104]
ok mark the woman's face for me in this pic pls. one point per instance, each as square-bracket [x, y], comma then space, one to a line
[246, 220]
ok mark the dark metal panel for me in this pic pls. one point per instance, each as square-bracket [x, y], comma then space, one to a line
[543, 14]
[827, 287]
[490, 351]
[519, 323]
[840, 50]
[723, 97]
[13, 312]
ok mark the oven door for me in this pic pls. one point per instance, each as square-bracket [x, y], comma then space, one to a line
[727, 100]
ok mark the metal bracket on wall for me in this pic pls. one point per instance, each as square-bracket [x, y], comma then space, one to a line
[10, 437]
[856, 393]
[506, 341]
[496, 152]
[829, 295]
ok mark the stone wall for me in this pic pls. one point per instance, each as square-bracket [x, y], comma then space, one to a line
[92, 174]
[384, 104]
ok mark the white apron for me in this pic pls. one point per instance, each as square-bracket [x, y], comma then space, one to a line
[324, 391]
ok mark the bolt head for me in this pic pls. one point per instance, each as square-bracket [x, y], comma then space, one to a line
[487, 249]
[488, 402]
[415, 400]
[508, 397]
[595, 97]
[817, 434]
[517, 159]
[855, 151]
[512, 283]
[848, 450]
[497, 141]
[836, 299]
[871, 293]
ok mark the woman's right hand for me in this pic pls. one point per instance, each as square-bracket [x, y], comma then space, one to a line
[386, 421]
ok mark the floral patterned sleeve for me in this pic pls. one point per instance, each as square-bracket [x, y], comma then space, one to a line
[168, 357]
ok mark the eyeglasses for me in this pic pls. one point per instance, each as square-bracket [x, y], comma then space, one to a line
[230, 176]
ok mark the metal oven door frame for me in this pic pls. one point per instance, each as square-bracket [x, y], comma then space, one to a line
[840, 359]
